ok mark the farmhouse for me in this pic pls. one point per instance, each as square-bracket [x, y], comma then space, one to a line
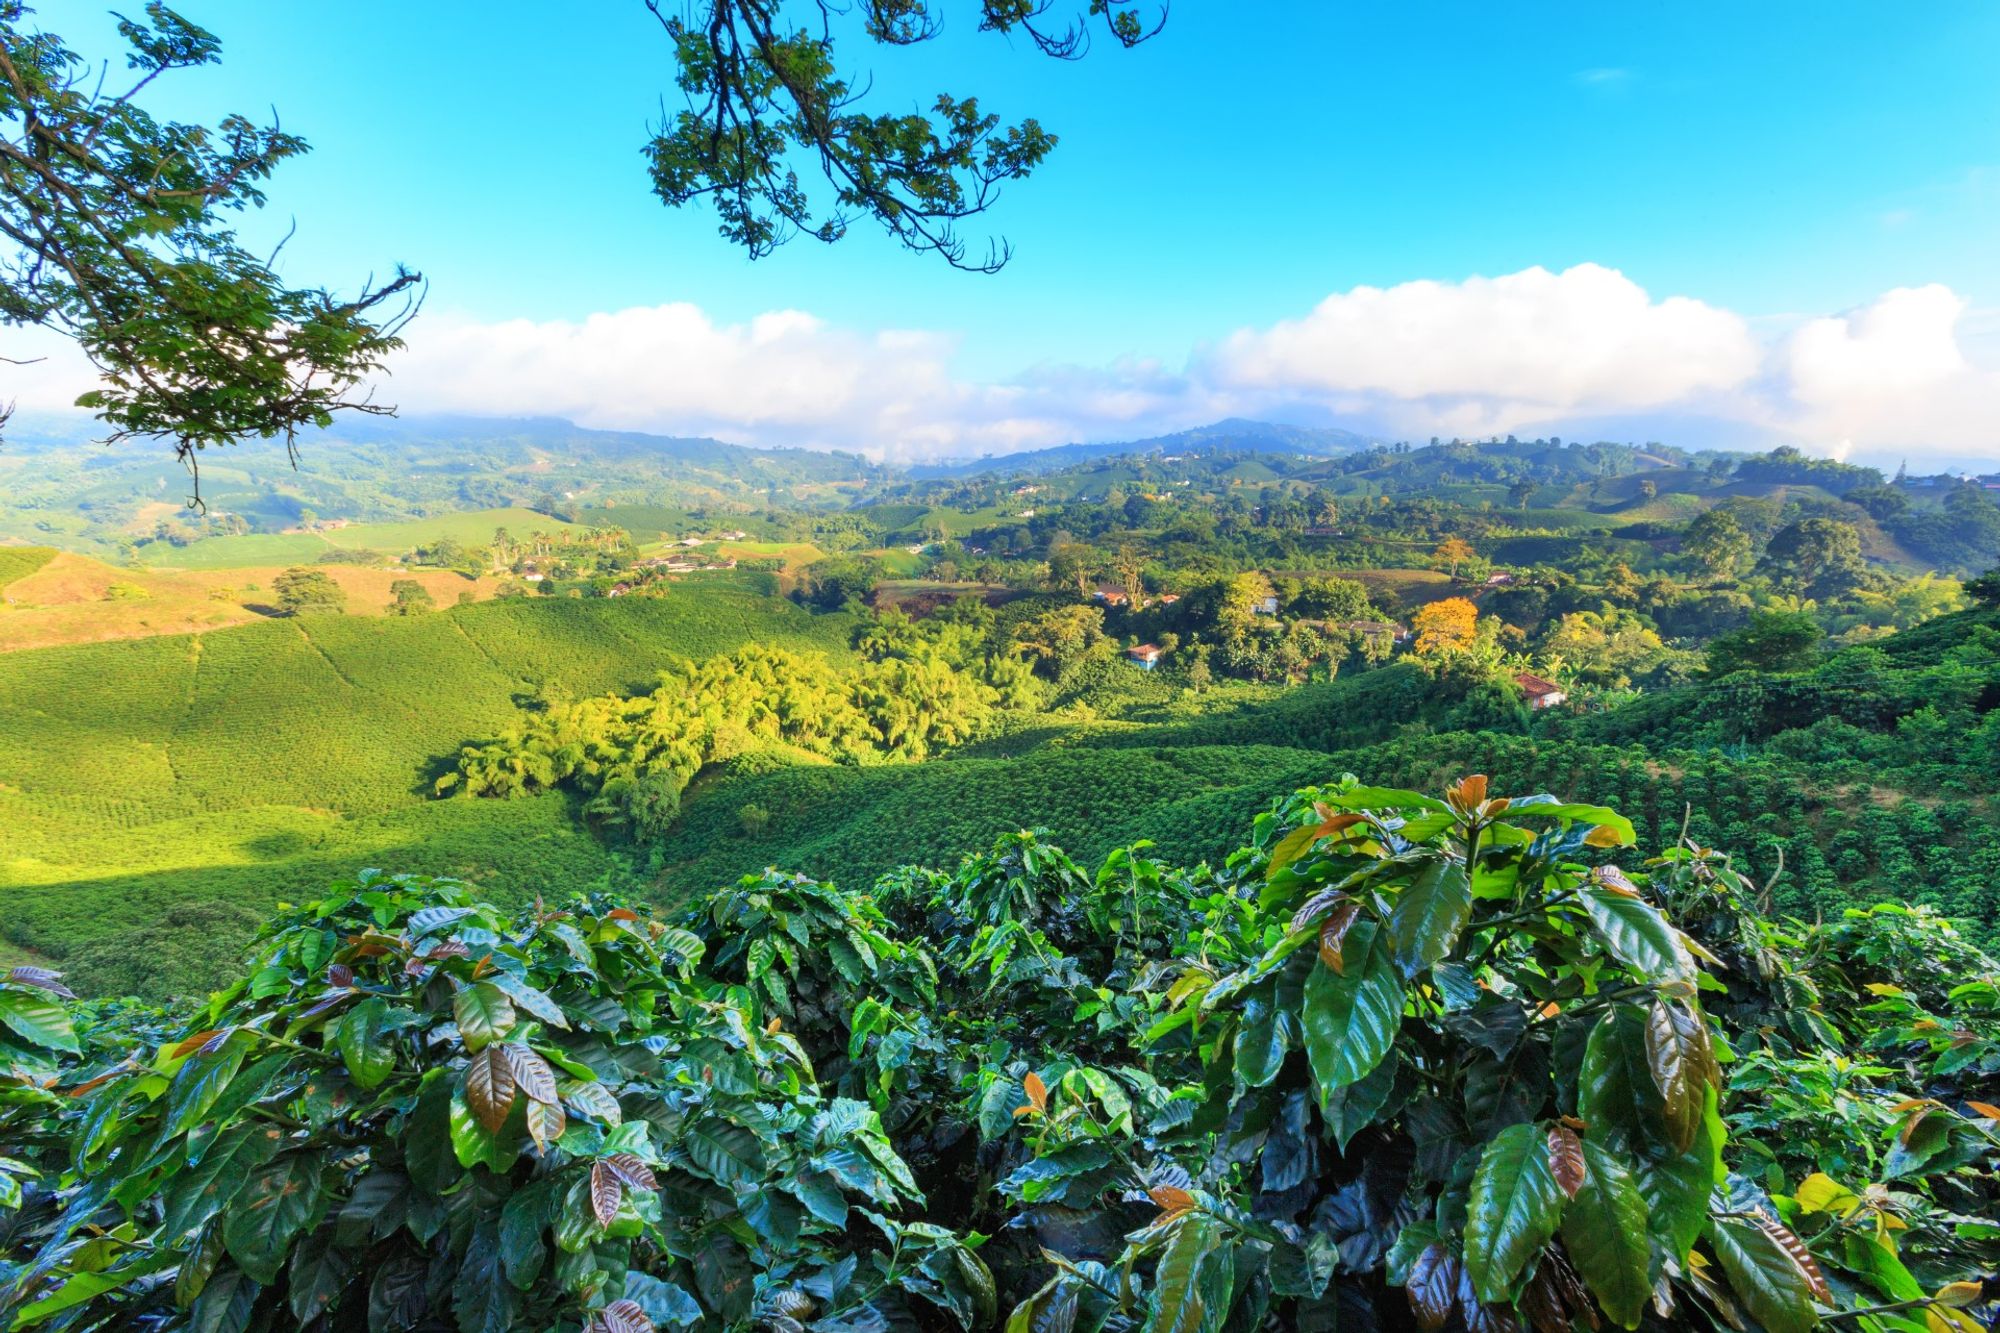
[1145, 656]
[1541, 693]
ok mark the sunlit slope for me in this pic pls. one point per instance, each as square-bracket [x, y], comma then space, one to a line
[225, 764]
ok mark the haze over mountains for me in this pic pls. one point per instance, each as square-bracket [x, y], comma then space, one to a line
[31, 431]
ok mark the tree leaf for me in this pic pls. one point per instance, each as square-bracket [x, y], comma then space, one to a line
[631, 1170]
[1513, 1211]
[1566, 1159]
[731, 1154]
[484, 1014]
[1678, 1058]
[483, 1301]
[1351, 1021]
[317, 1276]
[1333, 935]
[594, 1100]
[1607, 1095]
[489, 1087]
[1177, 1303]
[204, 1189]
[1792, 1245]
[546, 1122]
[225, 1304]
[1429, 913]
[40, 1019]
[1260, 1037]
[1638, 935]
[1545, 806]
[607, 1191]
[1604, 1228]
[365, 1044]
[1764, 1276]
[1433, 1287]
[279, 1202]
[531, 1072]
[42, 978]
[196, 1087]
[537, 1003]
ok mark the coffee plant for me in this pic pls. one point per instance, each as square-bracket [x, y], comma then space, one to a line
[1460, 1064]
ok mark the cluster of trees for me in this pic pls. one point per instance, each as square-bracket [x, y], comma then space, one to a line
[1458, 1061]
[633, 757]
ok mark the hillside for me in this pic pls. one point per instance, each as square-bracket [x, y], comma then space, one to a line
[246, 764]
[73, 599]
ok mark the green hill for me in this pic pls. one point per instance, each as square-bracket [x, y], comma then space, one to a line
[249, 763]
[17, 562]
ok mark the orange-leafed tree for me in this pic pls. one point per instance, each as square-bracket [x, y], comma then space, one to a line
[1453, 552]
[1451, 625]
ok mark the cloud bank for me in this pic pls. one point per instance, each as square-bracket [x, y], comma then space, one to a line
[1522, 352]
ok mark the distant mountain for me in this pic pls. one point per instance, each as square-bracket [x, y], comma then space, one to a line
[1233, 435]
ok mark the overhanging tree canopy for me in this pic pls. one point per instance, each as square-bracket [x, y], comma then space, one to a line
[115, 225]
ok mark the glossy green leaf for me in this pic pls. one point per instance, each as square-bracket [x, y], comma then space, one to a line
[365, 1043]
[1178, 1302]
[484, 1014]
[225, 1304]
[202, 1191]
[1514, 1209]
[1351, 1020]
[1552, 807]
[1764, 1277]
[1604, 1229]
[196, 1087]
[1429, 913]
[731, 1154]
[40, 1018]
[1638, 934]
[316, 1277]
[280, 1201]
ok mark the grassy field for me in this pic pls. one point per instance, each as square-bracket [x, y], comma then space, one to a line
[472, 528]
[249, 764]
[74, 599]
[796, 555]
[17, 562]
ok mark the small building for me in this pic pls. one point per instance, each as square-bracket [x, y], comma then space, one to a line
[1111, 596]
[1499, 578]
[690, 541]
[1541, 693]
[1266, 606]
[1145, 656]
[1169, 598]
[734, 535]
[533, 578]
[619, 590]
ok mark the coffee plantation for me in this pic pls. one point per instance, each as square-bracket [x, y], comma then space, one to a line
[1457, 1062]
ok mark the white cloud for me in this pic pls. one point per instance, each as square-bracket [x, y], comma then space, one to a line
[1532, 342]
[1524, 351]
[1893, 374]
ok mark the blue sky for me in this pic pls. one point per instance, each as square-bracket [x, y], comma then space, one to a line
[1778, 161]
